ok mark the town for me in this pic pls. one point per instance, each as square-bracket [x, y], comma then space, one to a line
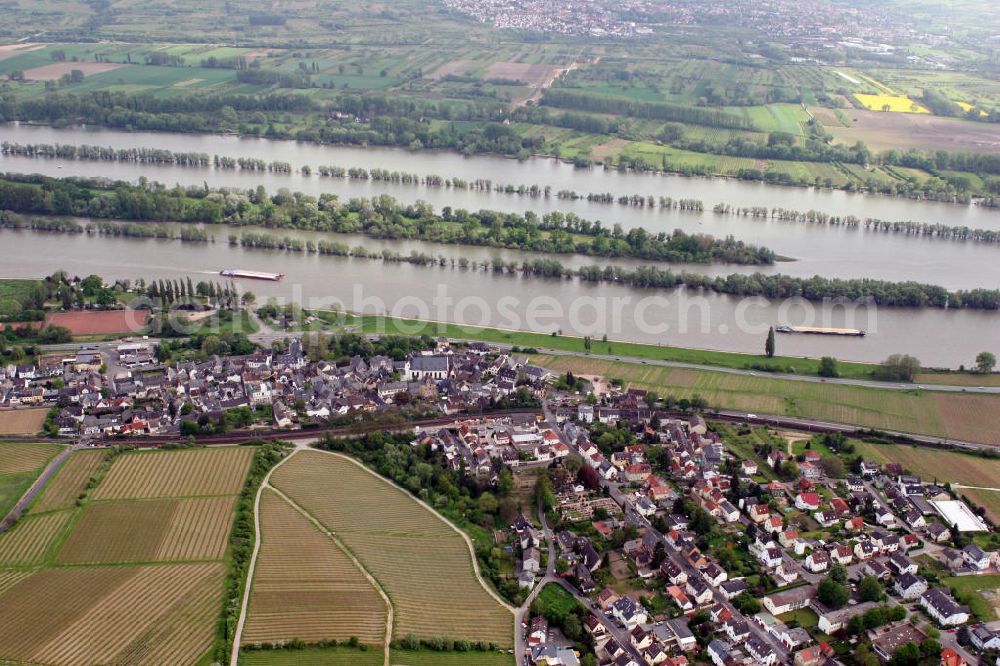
[679, 542]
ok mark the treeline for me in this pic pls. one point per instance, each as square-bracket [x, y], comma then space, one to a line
[159, 156]
[909, 228]
[9, 220]
[584, 101]
[816, 288]
[812, 150]
[879, 292]
[380, 217]
[105, 154]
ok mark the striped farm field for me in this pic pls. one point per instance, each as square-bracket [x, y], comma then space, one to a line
[112, 615]
[16, 457]
[189, 472]
[70, 481]
[11, 577]
[338, 656]
[30, 539]
[150, 531]
[306, 587]
[420, 560]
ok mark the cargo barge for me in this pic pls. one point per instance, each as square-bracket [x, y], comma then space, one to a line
[251, 275]
[819, 330]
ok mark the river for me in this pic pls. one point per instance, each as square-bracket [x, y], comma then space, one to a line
[939, 338]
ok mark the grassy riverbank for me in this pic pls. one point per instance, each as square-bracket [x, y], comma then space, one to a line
[541, 342]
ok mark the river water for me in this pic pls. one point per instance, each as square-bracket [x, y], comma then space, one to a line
[939, 338]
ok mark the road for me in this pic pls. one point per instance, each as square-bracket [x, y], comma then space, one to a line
[36, 488]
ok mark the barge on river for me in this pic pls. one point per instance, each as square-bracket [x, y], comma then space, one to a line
[251, 275]
[819, 330]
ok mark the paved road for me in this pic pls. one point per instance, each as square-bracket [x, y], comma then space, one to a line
[36, 487]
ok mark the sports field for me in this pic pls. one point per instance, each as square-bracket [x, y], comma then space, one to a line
[972, 417]
[100, 323]
[422, 562]
[306, 587]
[135, 578]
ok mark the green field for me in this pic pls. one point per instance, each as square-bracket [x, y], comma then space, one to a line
[803, 366]
[344, 656]
[429, 658]
[969, 590]
[20, 465]
[339, 656]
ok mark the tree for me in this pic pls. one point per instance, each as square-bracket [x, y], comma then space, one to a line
[248, 299]
[906, 655]
[985, 362]
[838, 572]
[828, 367]
[870, 589]
[832, 466]
[898, 367]
[747, 604]
[769, 343]
[832, 593]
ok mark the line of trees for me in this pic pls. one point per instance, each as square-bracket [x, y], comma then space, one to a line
[817, 288]
[905, 227]
[380, 217]
[583, 101]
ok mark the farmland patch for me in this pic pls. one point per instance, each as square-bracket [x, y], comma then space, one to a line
[56, 70]
[62, 491]
[422, 563]
[306, 587]
[21, 421]
[183, 473]
[147, 531]
[18, 457]
[30, 539]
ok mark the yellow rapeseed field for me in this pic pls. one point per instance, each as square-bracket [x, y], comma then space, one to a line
[895, 103]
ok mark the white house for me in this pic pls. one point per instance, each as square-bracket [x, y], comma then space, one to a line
[628, 613]
[910, 586]
[940, 606]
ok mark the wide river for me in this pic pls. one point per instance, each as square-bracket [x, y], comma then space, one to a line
[939, 338]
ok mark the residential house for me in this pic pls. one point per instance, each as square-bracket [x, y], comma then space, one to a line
[984, 638]
[910, 586]
[940, 605]
[786, 601]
